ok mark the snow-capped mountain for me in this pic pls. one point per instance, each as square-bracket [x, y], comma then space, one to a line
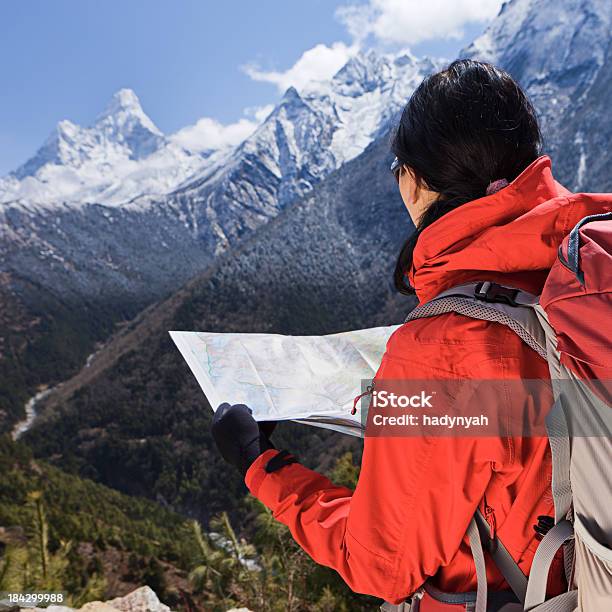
[123, 154]
[113, 228]
[308, 135]
[561, 54]
[120, 156]
[329, 123]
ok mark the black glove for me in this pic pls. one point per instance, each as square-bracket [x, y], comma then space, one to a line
[238, 436]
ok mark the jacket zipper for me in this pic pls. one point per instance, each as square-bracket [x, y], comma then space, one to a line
[369, 390]
[489, 515]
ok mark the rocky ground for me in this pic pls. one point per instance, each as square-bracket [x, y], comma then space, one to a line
[143, 599]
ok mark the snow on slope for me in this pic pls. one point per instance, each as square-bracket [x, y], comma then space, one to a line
[365, 95]
[123, 155]
[560, 52]
[555, 50]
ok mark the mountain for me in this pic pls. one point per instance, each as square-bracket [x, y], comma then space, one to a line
[123, 155]
[71, 269]
[323, 265]
[561, 54]
[120, 156]
[135, 418]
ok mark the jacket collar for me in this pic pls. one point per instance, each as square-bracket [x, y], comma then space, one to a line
[509, 237]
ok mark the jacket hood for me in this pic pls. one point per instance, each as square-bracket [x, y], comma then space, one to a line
[510, 237]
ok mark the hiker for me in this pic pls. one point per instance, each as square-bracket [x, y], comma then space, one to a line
[486, 208]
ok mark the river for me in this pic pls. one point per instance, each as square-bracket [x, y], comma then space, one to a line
[30, 408]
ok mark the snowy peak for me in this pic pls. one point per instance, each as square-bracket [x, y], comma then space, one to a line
[361, 74]
[124, 100]
[291, 96]
[123, 130]
[313, 131]
[125, 123]
[365, 95]
[369, 71]
[534, 38]
[121, 155]
[124, 110]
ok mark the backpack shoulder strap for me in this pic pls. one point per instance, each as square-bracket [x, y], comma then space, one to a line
[489, 301]
[502, 558]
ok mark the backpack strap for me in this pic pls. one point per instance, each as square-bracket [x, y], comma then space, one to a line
[559, 440]
[503, 559]
[490, 302]
[479, 563]
[542, 560]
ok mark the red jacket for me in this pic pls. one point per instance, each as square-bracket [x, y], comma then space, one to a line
[406, 520]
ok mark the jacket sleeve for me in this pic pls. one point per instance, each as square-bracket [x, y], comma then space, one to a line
[407, 516]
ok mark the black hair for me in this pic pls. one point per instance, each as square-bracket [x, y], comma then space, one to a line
[462, 128]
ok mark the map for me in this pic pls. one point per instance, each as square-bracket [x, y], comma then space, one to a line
[310, 379]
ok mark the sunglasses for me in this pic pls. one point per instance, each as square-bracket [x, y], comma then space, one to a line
[396, 168]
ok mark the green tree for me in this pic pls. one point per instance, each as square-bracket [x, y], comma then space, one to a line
[345, 472]
[272, 573]
[31, 566]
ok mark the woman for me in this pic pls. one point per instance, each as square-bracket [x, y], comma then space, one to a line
[486, 208]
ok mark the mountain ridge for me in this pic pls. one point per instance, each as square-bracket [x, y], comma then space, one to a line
[123, 122]
[558, 52]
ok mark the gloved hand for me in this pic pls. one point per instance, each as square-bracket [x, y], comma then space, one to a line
[238, 436]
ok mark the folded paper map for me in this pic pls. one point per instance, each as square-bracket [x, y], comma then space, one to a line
[310, 379]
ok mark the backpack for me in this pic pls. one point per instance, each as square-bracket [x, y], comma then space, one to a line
[569, 325]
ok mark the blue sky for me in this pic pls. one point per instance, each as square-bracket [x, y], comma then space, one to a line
[188, 59]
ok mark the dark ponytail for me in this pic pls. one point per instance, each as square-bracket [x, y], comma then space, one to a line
[463, 128]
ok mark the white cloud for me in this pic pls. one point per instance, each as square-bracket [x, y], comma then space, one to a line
[392, 22]
[317, 64]
[408, 22]
[209, 133]
[259, 113]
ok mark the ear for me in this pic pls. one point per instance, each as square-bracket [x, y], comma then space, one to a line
[414, 186]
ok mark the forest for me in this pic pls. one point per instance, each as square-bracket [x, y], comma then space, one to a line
[67, 534]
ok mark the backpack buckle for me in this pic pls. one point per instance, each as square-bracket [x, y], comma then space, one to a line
[544, 525]
[487, 291]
